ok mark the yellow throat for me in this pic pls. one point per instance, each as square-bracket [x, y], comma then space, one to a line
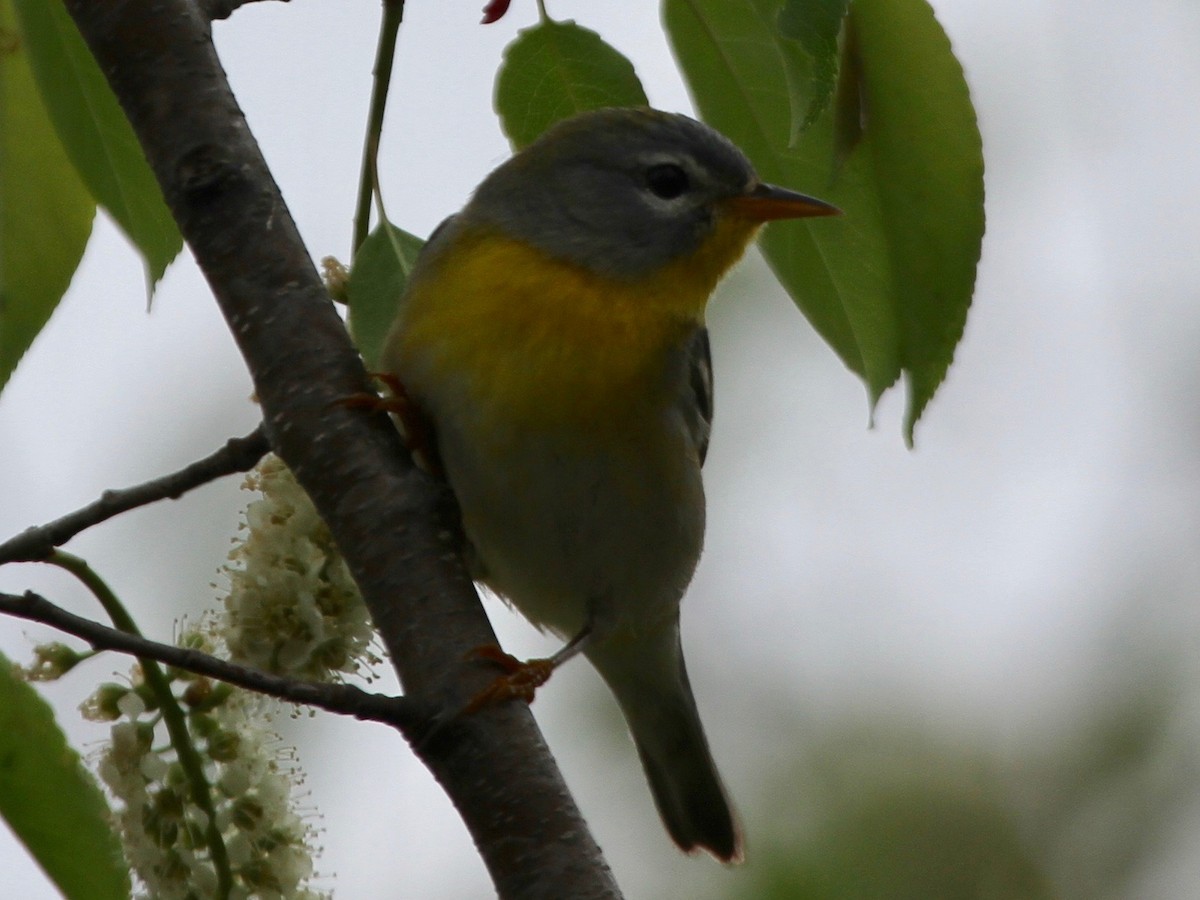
[554, 340]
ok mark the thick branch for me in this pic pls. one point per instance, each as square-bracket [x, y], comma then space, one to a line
[397, 531]
[237, 455]
[402, 713]
[221, 9]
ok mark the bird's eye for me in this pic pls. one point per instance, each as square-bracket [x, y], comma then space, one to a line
[667, 180]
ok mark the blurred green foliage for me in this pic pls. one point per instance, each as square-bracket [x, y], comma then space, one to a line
[897, 812]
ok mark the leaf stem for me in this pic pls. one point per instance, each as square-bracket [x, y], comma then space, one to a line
[173, 716]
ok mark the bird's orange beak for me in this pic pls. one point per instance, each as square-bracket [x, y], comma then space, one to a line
[765, 202]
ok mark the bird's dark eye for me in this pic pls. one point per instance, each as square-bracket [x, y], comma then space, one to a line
[667, 180]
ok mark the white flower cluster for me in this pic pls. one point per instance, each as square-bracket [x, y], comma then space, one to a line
[166, 833]
[292, 607]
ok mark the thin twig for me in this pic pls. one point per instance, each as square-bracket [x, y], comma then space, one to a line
[385, 57]
[403, 713]
[39, 541]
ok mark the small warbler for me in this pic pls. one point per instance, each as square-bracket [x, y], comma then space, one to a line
[552, 334]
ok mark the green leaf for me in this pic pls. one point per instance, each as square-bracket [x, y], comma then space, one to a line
[554, 70]
[888, 285]
[97, 136]
[816, 25]
[45, 211]
[836, 270]
[51, 802]
[380, 272]
[928, 158]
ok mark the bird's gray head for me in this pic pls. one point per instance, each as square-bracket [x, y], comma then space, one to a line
[618, 191]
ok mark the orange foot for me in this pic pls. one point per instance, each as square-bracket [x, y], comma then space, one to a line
[415, 425]
[520, 680]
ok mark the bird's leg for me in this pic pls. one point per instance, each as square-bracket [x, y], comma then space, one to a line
[521, 679]
[414, 425]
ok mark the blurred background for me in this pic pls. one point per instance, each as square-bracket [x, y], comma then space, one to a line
[966, 671]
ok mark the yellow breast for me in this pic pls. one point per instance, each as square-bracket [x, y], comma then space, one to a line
[542, 341]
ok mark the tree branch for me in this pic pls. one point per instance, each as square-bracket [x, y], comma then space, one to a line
[408, 716]
[221, 9]
[237, 455]
[396, 528]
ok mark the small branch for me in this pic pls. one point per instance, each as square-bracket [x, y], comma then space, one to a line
[409, 717]
[38, 542]
[221, 9]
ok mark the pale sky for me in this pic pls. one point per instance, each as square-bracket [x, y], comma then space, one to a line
[1040, 540]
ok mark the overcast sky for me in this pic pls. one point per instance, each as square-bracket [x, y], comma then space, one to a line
[1040, 540]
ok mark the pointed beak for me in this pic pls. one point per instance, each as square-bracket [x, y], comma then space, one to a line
[765, 202]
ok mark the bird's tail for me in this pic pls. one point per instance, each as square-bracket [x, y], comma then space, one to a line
[651, 685]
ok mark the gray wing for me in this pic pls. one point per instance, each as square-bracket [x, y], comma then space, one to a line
[700, 384]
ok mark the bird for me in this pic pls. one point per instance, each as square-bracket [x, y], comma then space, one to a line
[552, 336]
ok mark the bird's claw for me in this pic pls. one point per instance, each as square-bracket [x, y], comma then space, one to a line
[415, 426]
[520, 680]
